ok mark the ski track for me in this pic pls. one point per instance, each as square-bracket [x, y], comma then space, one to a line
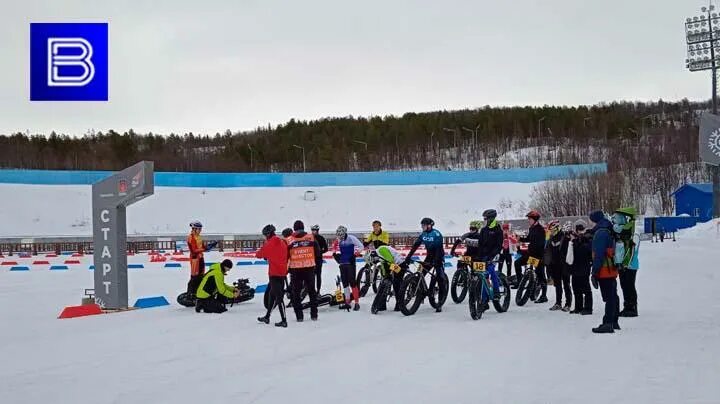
[529, 354]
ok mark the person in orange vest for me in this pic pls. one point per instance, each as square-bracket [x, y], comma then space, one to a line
[197, 248]
[303, 251]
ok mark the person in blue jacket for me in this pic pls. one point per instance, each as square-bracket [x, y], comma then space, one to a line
[604, 271]
[435, 249]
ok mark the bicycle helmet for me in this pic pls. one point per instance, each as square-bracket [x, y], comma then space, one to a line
[553, 225]
[489, 215]
[268, 230]
[533, 214]
[196, 224]
[426, 221]
[476, 224]
[341, 231]
[315, 228]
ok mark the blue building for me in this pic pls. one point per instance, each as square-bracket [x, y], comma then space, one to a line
[694, 200]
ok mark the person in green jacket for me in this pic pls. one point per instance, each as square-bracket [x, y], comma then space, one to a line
[213, 293]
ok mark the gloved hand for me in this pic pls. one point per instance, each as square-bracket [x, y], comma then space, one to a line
[622, 268]
[210, 245]
[594, 281]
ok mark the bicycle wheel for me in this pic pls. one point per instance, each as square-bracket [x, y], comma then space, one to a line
[380, 301]
[525, 290]
[410, 294]
[437, 296]
[363, 281]
[474, 299]
[502, 303]
[459, 286]
[377, 278]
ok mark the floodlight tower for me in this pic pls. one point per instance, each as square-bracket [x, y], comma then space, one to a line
[702, 33]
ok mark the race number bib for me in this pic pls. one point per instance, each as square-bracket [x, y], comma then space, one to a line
[395, 268]
[478, 266]
[534, 262]
[466, 259]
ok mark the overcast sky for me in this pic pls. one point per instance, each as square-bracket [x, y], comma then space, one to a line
[180, 66]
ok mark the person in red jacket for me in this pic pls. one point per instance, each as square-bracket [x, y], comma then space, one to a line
[275, 251]
[197, 247]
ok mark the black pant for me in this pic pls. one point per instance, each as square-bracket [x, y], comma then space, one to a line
[438, 262]
[608, 289]
[561, 281]
[276, 290]
[348, 275]
[583, 294]
[505, 257]
[627, 283]
[213, 304]
[539, 273]
[318, 275]
[300, 277]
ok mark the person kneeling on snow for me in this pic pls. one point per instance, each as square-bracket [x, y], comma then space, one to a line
[213, 293]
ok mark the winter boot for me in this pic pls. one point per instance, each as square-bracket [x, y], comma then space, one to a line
[603, 329]
[586, 312]
[566, 308]
[282, 324]
[357, 307]
[264, 319]
[542, 299]
[313, 317]
[616, 326]
[555, 307]
[629, 311]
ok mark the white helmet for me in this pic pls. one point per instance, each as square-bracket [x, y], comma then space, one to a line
[196, 224]
[341, 231]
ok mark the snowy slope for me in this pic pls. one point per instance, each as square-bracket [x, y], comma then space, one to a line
[527, 355]
[36, 210]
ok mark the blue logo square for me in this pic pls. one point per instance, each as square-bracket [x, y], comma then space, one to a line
[68, 62]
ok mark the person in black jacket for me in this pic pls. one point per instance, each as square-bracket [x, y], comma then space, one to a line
[490, 245]
[536, 249]
[322, 243]
[557, 267]
[580, 264]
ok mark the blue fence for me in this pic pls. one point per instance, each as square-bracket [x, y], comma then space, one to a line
[230, 180]
[669, 223]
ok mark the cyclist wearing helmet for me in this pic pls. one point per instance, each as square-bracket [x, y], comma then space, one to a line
[536, 239]
[275, 251]
[197, 247]
[558, 242]
[490, 246]
[322, 243]
[213, 293]
[377, 237]
[433, 241]
[470, 239]
[347, 246]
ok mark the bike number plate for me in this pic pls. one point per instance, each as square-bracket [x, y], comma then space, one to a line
[466, 259]
[532, 261]
[339, 297]
[395, 268]
[478, 266]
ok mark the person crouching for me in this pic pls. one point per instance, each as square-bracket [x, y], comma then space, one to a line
[213, 293]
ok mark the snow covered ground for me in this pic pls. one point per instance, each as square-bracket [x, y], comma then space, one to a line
[37, 210]
[528, 355]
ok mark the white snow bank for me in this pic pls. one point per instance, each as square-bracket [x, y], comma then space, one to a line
[701, 230]
[46, 210]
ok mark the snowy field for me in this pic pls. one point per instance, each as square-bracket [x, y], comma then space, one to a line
[37, 210]
[528, 355]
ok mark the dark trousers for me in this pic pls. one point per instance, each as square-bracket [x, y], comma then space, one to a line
[438, 262]
[213, 304]
[608, 289]
[318, 275]
[348, 275]
[627, 283]
[299, 278]
[561, 281]
[194, 283]
[583, 294]
[505, 258]
[539, 273]
[276, 290]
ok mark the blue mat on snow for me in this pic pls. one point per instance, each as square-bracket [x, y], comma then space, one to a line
[260, 288]
[59, 268]
[173, 265]
[19, 268]
[147, 302]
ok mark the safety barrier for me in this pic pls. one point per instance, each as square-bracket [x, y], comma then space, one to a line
[232, 180]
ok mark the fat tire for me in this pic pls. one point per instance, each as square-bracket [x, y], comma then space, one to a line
[502, 305]
[474, 301]
[438, 301]
[410, 285]
[459, 280]
[525, 290]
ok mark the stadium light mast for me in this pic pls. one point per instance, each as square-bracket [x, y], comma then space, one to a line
[702, 34]
[303, 154]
